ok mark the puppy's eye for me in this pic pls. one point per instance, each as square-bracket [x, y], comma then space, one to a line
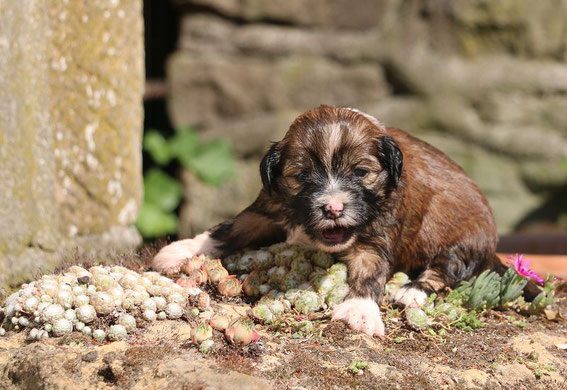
[301, 176]
[360, 172]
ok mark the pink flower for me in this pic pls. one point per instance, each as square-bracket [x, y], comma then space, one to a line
[522, 267]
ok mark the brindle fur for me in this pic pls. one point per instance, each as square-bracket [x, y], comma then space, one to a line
[416, 210]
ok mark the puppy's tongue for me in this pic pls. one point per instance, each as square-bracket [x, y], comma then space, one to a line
[335, 235]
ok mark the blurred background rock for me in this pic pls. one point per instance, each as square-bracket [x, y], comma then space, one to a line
[483, 80]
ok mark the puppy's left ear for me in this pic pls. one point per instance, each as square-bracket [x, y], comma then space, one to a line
[269, 167]
[391, 158]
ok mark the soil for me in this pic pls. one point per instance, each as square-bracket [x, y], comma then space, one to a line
[510, 352]
[502, 355]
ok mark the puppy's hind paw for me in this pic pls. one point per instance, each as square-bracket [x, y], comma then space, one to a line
[408, 296]
[362, 314]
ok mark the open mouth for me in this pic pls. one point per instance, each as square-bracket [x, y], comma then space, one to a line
[336, 235]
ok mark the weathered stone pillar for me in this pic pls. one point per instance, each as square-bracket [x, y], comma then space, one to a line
[71, 84]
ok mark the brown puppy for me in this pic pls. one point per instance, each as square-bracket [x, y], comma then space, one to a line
[381, 199]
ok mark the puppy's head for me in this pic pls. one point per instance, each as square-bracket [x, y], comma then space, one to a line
[330, 173]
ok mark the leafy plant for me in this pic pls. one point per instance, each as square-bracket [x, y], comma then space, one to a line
[211, 161]
[357, 367]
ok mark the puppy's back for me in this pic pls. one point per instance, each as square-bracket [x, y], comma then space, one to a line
[442, 205]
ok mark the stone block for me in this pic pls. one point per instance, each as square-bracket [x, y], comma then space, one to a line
[71, 83]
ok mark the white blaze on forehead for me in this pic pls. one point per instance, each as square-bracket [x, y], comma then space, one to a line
[334, 135]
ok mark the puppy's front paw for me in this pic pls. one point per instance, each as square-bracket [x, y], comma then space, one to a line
[410, 297]
[171, 258]
[362, 314]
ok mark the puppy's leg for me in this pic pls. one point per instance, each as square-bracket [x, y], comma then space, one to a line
[252, 227]
[445, 270]
[368, 273]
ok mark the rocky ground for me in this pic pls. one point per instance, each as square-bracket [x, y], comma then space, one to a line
[510, 352]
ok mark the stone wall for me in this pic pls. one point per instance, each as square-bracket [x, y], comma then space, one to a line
[483, 80]
[71, 83]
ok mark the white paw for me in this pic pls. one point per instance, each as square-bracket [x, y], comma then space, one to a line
[362, 314]
[410, 297]
[172, 257]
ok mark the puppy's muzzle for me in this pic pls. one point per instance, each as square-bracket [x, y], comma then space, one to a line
[333, 209]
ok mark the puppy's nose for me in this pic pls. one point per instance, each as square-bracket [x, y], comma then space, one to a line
[333, 209]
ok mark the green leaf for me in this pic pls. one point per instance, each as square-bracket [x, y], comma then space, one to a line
[213, 163]
[154, 222]
[161, 190]
[564, 164]
[184, 145]
[158, 147]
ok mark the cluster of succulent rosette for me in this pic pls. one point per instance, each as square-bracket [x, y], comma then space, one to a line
[110, 303]
[461, 307]
[490, 290]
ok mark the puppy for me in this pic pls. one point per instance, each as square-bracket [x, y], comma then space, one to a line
[382, 200]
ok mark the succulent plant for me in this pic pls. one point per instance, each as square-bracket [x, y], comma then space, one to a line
[194, 264]
[292, 280]
[276, 307]
[262, 259]
[339, 271]
[322, 259]
[261, 312]
[245, 262]
[173, 311]
[482, 292]
[103, 302]
[198, 277]
[201, 333]
[149, 315]
[149, 304]
[62, 326]
[70, 315]
[185, 282]
[337, 294]
[81, 300]
[117, 332]
[128, 322]
[161, 303]
[203, 301]
[86, 313]
[251, 284]
[241, 331]
[30, 304]
[305, 326]
[216, 274]
[53, 312]
[219, 322]
[511, 286]
[176, 298]
[325, 283]
[307, 302]
[416, 318]
[230, 286]
[206, 345]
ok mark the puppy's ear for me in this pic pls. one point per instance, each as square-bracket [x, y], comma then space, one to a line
[391, 158]
[269, 167]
